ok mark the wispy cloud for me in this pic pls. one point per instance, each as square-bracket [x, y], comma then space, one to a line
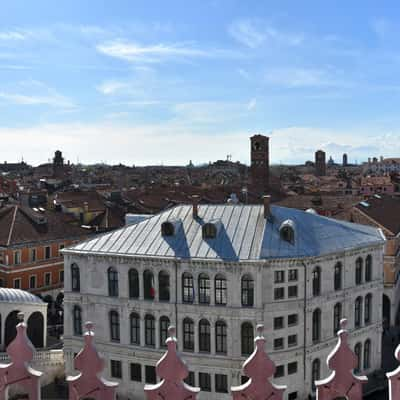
[111, 87]
[135, 52]
[254, 33]
[301, 77]
[34, 93]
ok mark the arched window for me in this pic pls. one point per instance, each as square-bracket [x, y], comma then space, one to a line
[163, 286]
[315, 372]
[75, 278]
[187, 288]
[114, 326]
[204, 289]
[357, 312]
[149, 330]
[316, 281]
[338, 276]
[220, 290]
[149, 289]
[337, 316]
[357, 352]
[247, 291]
[247, 338]
[133, 278]
[368, 308]
[204, 336]
[316, 325]
[359, 268]
[112, 282]
[188, 334]
[286, 231]
[368, 268]
[135, 328]
[77, 320]
[164, 325]
[220, 337]
[367, 354]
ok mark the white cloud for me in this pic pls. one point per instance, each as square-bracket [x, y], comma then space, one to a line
[301, 77]
[134, 52]
[111, 87]
[246, 33]
[254, 33]
[173, 142]
[33, 93]
[13, 35]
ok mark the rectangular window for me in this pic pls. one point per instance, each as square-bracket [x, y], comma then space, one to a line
[292, 291]
[32, 282]
[17, 283]
[292, 319]
[61, 275]
[189, 380]
[47, 279]
[280, 371]
[279, 293]
[292, 368]
[279, 276]
[116, 369]
[47, 252]
[278, 343]
[150, 374]
[221, 383]
[136, 372]
[292, 340]
[293, 275]
[33, 255]
[205, 382]
[17, 257]
[278, 322]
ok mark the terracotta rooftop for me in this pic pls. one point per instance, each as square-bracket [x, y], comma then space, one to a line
[384, 210]
[22, 225]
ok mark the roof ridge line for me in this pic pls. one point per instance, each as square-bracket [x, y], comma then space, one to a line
[12, 225]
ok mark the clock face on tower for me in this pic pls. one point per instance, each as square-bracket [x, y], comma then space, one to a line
[257, 146]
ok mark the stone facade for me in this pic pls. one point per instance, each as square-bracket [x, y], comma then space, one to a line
[96, 304]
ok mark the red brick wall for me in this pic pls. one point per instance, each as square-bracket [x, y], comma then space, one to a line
[27, 268]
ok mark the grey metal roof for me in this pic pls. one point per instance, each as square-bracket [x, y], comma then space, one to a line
[244, 234]
[18, 296]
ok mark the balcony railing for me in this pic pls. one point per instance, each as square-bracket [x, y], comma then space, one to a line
[172, 371]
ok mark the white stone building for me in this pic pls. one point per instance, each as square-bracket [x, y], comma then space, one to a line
[215, 271]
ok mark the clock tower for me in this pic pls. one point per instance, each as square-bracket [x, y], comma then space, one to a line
[259, 168]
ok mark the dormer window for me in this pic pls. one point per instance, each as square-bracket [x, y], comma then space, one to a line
[170, 227]
[167, 229]
[286, 231]
[209, 231]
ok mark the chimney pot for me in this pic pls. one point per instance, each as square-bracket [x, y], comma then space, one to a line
[267, 209]
[195, 202]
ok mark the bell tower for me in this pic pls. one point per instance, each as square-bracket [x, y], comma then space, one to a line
[259, 168]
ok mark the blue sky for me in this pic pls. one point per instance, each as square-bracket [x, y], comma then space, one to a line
[150, 82]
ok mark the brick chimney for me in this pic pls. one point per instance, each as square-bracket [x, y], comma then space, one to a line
[195, 202]
[267, 209]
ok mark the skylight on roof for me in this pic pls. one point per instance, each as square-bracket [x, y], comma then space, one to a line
[364, 204]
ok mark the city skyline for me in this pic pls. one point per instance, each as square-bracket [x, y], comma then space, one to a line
[165, 83]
